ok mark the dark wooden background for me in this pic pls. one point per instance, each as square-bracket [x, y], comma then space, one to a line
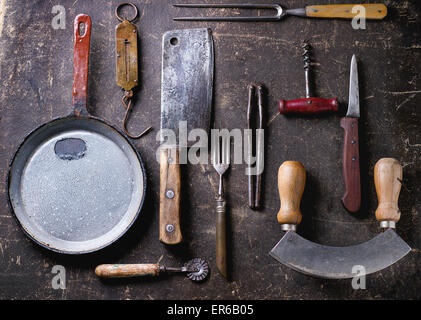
[36, 81]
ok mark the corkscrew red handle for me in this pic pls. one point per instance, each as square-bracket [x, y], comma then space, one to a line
[308, 105]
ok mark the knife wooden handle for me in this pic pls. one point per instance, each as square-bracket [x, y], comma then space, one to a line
[308, 105]
[387, 180]
[126, 270]
[169, 205]
[375, 11]
[351, 165]
[291, 183]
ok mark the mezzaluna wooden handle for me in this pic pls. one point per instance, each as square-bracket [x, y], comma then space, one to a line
[126, 270]
[351, 165]
[375, 11]
[291, 183]
[169, 199]
[81, 40]
[387, 179]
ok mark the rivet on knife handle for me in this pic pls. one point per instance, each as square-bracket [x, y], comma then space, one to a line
[127, 63]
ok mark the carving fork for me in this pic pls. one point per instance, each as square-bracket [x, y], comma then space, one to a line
[221, 163]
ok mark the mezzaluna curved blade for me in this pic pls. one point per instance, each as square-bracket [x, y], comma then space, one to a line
[337, 262]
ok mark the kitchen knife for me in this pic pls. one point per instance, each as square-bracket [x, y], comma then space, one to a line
[186, 99]
[350, 157]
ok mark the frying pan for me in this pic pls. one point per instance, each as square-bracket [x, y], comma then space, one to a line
[76, 184]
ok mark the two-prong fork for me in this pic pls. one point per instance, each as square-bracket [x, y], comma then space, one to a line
[221, 163]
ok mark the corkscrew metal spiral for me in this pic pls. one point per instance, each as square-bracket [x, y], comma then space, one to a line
[307, 64]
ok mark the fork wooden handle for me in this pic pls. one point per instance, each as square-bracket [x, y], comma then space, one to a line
[375, 11]
[221, 236]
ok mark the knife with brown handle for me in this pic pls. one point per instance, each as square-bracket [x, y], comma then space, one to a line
[351, 156]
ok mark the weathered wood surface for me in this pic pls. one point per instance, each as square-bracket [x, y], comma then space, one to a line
[36, 82]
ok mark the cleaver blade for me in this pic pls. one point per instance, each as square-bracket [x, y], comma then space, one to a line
[187, 80]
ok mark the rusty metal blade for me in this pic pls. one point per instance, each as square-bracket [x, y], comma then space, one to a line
[187, 80]
[354, 95]
[338, 262]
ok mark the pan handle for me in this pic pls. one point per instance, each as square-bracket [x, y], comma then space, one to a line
[81, 39]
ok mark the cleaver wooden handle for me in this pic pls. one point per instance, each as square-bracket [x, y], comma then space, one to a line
[387, 179]
[291, 183]
[169, 198]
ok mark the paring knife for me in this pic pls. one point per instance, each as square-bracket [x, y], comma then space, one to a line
[186, 100]
[351, 157]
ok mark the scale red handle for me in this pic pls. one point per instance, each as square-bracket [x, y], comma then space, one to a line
[81, 62]
[308, 105]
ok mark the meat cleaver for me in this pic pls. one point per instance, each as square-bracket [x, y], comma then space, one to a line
[186, 100]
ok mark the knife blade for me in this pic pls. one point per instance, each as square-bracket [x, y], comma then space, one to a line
[186, 100]
[350, 156]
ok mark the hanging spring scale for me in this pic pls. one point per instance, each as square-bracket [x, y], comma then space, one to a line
[127, 74]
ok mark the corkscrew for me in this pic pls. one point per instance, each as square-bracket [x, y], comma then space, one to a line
[309, 104]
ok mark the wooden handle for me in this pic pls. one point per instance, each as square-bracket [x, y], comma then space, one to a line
[81, 63]
[347, 11]
[126, 270]
[387, 179]
[169, 206]
[308, 105]
[291, 183]
[351, 165]
[221, 237]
